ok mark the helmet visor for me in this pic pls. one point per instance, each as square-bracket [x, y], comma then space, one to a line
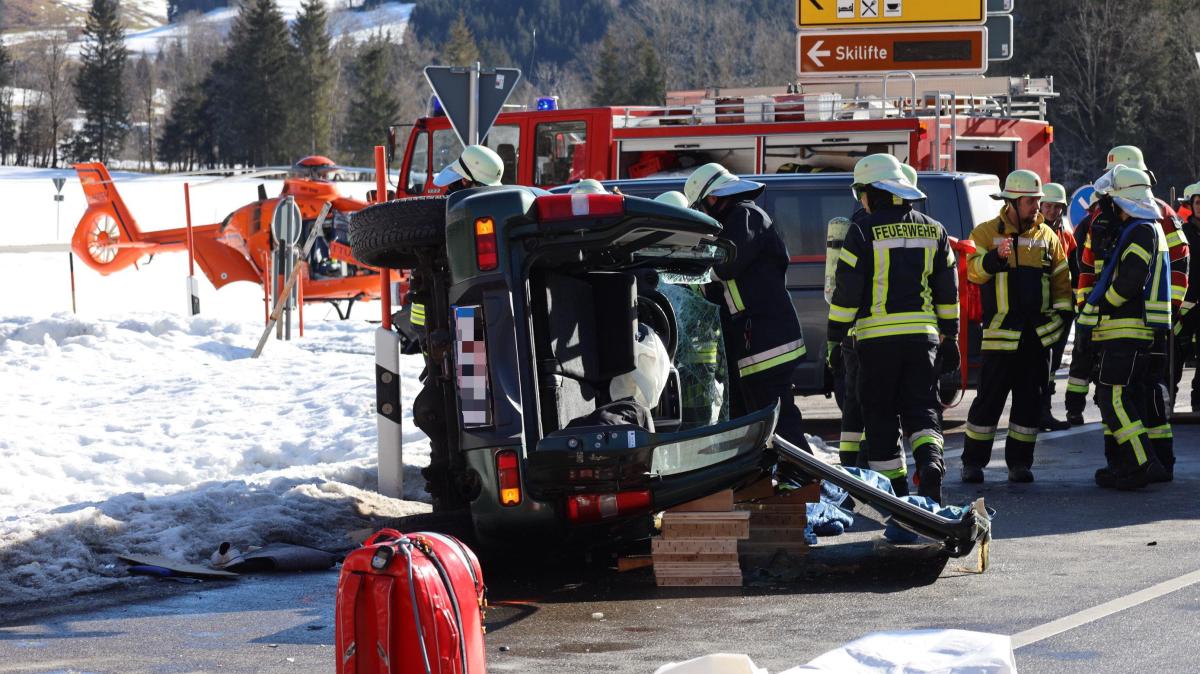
[449, 175]
[1139, 208]
[900, 188]
[737, 186]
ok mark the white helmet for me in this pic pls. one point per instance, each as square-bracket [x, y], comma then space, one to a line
[714, 180]
[1021, 183]
[478, 164]
[886, 173]
[1128, 155]
[1130, 189]
[588, 186]
[672, 198]
[1054, 194]
[1191, 191]
[911, 173]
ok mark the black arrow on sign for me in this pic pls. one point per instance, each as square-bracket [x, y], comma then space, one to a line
[817, 5]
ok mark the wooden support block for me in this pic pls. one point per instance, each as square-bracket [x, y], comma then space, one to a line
[771, 518]
[764, 488]
[733, 524]
[721, 501]
[696, 568]
[692, 546]
[730, 580]
[776, 534]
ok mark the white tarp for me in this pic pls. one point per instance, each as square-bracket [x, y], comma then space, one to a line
[912, 652]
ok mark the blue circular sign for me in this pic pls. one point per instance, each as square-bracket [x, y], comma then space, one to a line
[1078, 208]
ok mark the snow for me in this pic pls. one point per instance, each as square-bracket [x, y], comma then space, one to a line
[131, 428]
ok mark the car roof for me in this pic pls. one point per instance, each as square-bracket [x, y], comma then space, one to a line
[840, 178]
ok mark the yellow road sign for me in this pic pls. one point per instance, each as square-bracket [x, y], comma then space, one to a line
[861, 13]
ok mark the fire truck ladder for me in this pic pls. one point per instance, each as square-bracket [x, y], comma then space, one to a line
[944, 153]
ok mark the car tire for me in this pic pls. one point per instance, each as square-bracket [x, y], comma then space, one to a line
[399, 234]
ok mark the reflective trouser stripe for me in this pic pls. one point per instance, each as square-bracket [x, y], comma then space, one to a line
[981, 433]
[1023, 433]
[1129, 431]
[922, 438]
[784, 353]
[890, 469]
[1160, 432]
[1076, 385]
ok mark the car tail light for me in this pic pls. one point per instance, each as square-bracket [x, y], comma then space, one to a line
[568, 206]
[583, 508]
[485, 244]
[471, 367]
[508, 477]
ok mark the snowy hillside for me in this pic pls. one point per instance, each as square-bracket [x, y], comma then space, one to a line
[131, 428]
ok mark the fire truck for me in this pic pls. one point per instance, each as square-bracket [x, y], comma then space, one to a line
[988, 125]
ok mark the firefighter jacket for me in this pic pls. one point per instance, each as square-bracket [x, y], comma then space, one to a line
[895, 279]
[1191, 234]
[1132, 295]
[1178, 251]
[1067, 238]
[1028, 291]
[760, 324]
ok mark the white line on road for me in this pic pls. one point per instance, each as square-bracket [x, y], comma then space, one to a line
[1106, 609]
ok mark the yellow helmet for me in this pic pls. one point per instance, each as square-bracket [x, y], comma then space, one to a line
[1128, 155]
[1021, 183]
[886, 173]
[714, 180]
[1054, 194]
[672, 198]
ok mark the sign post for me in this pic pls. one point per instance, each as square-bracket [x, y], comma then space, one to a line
[192, 287]
[874, 52]
[58, 199]
[285, 229]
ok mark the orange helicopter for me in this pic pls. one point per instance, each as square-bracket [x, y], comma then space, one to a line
[239, 248]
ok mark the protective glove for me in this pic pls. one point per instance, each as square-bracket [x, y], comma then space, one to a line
[833, 355]
[947, 354]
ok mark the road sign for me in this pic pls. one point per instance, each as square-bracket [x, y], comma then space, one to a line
[867, 52]
[1078, 208]
[285, 224]
[999, 6]
[862, 13]
[58, 183]
[1000, 37]
[471, 97]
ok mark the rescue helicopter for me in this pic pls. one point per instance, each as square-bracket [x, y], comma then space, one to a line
[239, 248]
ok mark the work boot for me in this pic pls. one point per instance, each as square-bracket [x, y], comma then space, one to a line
[971, 474]
[1020, 475]
[900, 485]
[1110, 477]
[1049, 423]
[1106, 477]
[1075, 418]
[929, 482]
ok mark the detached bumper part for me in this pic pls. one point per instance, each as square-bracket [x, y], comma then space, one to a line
[957, 536]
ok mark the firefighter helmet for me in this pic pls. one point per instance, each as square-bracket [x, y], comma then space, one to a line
[714, 180]
[477, 164]
[911, 173]
[1128, 155]
[1130, 189]
[1021, 183]
[1054, 194]
[588, 186]
[1191, 191]
[886, 173]
[672, 198]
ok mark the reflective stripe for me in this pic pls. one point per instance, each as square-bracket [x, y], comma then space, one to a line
[904, 243]
[1137, 250]
[848, 257]
[948, 312]
[1174, 239]
[994, 345]
[842, 314]
[1062, 266]
[897, 330]
[899, 318]
[879, 292]
[1023, 241]
[1143, 334]
[733, 298]
[975, 263]
[1178, 293]
[982, 433]
[1001, 333]
[771, 357]
[1160, 432]
[1076, 385]
[1002, 293]
[1114, 298]
[925, 437]
[890, 469]
[1062, 305]
[851, 437]
[1129, 430]
[1023, 437]
[1050, 326]
[416, 314]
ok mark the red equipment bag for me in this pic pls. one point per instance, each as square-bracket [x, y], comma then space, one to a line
[410, 603]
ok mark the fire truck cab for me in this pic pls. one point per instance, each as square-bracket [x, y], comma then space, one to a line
[968, 124]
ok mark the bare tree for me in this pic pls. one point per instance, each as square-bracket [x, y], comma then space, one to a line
[51, 72]
[144, 87]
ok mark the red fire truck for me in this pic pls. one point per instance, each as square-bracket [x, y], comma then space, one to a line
[973, 124]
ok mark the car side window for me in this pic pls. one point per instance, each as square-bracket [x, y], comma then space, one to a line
[802, 216]
[505, 140]
[942, 205]
[418, 166]
[561, 153]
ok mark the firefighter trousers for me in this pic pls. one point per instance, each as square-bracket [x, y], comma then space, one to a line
[1186, 333]
[850, 443]
[1079, 376]
[1121, 386]
[1022, 372]
[1056, 356]
[897, 378]
[763, 389]
[1156, 399]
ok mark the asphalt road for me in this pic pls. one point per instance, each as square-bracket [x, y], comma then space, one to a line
[1063, 549]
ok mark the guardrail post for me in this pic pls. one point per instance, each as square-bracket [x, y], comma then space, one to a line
[388, 412]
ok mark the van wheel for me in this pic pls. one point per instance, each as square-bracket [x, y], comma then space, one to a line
[398, 234]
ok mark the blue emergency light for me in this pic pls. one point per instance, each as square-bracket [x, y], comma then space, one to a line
[547, 103]
[435, 107]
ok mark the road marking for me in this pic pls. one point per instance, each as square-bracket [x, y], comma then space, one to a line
[1032, 636]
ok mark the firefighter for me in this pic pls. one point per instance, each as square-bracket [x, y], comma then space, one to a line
[1187, 327]
[477, 165]
[1125, 313]
[763, 342]
[896, 286]
[1026, 294]
[844, 364]
[1054, 207]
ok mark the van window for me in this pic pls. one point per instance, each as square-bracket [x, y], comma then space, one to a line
[983, 206]
[802, 215]
[942, 205]
[561, 153]
[418, 166]
[505, 139]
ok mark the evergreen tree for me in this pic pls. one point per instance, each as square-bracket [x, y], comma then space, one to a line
[374, 105]
[650, 86]
[314, 105]
[8, 130]
[249, 88]
[610, 77]
[99, 86]
[461, 49]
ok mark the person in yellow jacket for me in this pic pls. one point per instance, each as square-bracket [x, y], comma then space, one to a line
[1025, 282]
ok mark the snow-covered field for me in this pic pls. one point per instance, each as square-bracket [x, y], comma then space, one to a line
[129, 427]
